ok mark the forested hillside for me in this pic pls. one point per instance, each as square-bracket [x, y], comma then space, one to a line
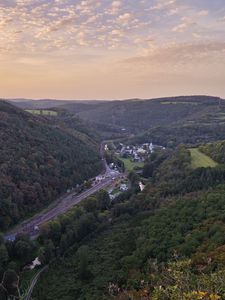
[168, 121]
[137, 115]
[47, 103]
[215, 151]
[39, 160]
[193, 133]
[164, 243]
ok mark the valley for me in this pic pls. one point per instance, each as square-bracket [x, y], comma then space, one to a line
[32, 226]
[111, 196]
[112, 150]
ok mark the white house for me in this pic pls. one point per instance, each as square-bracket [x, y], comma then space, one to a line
[141, 151]
[123, 187]
[141, 186]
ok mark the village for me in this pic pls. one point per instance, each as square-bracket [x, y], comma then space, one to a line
[137, 153]
[133, 157]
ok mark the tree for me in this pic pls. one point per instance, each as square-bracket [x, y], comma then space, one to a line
[23, 250]
[11, 283]
[3, 293]
[55, 230]
[83, 269]
[3, 255]
[47, 253]
[148, 170]
[63, 243]
[90, 204]
[103, 200]
[1, 238]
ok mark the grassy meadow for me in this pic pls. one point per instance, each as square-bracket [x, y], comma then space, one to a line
[42, 112]
[200, 160]
[131, 165]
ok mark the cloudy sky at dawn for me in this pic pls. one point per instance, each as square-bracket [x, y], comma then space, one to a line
[111, 49]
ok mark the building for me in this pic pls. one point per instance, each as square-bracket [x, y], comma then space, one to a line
[123, 187]
[141, 186]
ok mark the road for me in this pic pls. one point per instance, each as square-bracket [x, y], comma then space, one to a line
[33, 283]
[31, 226]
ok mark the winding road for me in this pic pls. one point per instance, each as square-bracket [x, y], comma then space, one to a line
[33, 283]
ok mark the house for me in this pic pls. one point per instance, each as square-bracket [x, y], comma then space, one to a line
[123, 187]
[151, 147]
[112, 197]
[136, 157]
[99, 178]
[141, 186]
[141, 151]
[35, 263]
[112, 165]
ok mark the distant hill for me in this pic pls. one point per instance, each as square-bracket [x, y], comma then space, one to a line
[168, 121]
[45, 103]
[39, 160]
[172, 115]
[136, 115]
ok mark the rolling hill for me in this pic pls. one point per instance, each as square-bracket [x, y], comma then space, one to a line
[135, 115]
[39, 160]
[164, 243]
[166, 121]
[46, 103]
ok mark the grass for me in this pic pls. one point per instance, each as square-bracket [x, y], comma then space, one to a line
[220, 116]
[131, 165]
[115, 191]
[200, 160]
[25, 280]
[42, 112]
[173, 102]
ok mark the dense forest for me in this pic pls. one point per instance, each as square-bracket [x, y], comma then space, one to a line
[168, 121]
[171, 136]
[39, 160]
[136, 116]
[164, 243]
[216, 151]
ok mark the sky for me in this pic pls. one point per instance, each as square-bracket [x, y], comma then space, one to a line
[93, 49]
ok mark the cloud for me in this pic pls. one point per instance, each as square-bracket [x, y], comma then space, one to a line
[203, 13]
[115, 8]
[125, 18]
[185, 25]
[163, 4]
[81, 39]
[183, 53]
[222, 19]
[127, 27]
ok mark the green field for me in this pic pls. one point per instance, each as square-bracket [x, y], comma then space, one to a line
[42, 112]
[173, 102]
[200, 160]
[131, 165]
